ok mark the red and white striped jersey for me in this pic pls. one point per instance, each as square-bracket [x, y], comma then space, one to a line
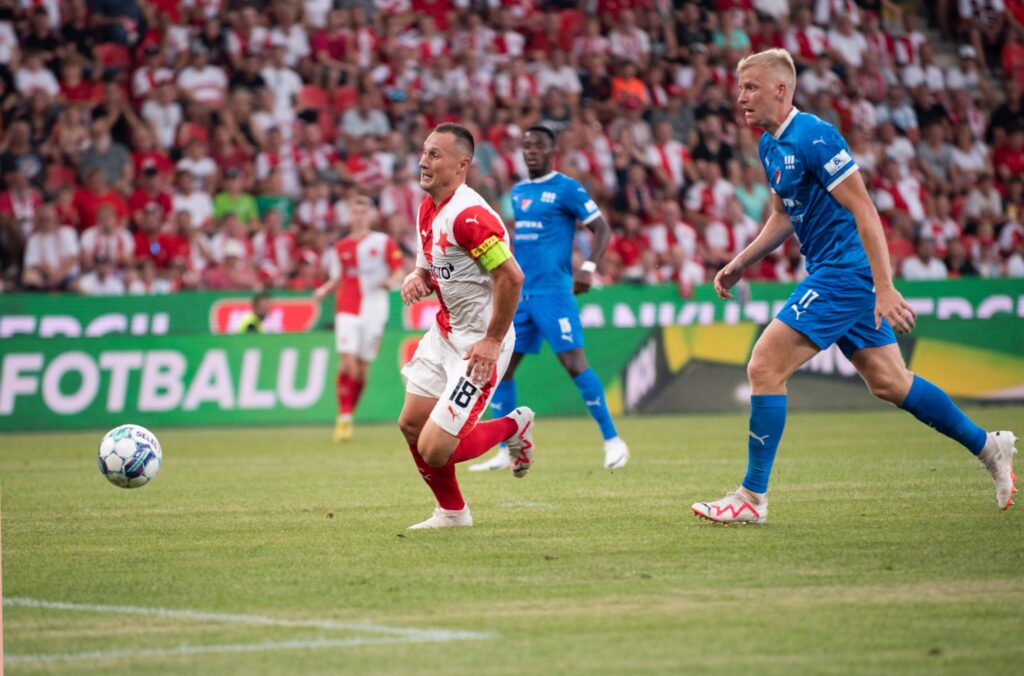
[453, 235]
[672, 157]
[364, 266]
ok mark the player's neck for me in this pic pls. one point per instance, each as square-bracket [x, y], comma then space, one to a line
[541, 173]
[779, 119]
[446, 192]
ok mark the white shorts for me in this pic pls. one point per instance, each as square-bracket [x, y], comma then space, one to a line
[438, 371]
[358, 334]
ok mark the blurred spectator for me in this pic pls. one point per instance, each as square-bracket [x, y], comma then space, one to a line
[51, 254]
[233, 272]
[923, 264]
[108, 239]
[102, 280]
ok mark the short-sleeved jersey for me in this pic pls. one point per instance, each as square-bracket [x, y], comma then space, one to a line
[364, 266]
[453, 236]
[805, 160]
[546, 210]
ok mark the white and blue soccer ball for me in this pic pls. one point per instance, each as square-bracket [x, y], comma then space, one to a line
[130, 456]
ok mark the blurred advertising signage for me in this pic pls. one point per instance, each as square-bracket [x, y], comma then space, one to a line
[286, 315]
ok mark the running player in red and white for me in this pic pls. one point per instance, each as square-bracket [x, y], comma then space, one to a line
[364, 266]
[463, 254]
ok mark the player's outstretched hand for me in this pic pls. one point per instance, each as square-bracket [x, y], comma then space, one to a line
[727, 278]
[482, 357]
[890, 304]
[582, 281]
[415, 288]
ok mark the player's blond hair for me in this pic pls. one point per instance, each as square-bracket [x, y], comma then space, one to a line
[778, 60]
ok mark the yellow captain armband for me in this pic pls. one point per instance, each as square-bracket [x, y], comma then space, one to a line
[491, 253]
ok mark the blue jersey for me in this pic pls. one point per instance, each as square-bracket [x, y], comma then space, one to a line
[805, 161]
[546, 211]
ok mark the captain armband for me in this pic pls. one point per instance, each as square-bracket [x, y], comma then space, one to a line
[491, 253]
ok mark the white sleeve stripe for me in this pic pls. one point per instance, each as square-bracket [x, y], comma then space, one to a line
[592, 217]
[842, 177]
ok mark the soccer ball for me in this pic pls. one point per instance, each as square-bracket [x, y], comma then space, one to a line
[130, 456]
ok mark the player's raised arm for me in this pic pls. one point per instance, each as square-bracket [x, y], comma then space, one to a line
[777, 229]
[889, 303]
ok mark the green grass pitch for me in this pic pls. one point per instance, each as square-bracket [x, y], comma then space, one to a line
[272, 551]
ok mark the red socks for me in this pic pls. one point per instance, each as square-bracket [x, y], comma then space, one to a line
[349, 391]
[483, 437]
[441, 481]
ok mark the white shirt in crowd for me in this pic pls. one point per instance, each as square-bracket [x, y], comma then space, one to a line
[52, 248]
[206, 85]
[915, 268]
[199, 204]
[164, 120]
[91, 284]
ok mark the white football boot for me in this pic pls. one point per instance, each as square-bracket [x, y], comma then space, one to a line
[446, 518]
[520, 444]
[616, 453]
[500, 460]
[736, 507]
[997, 458]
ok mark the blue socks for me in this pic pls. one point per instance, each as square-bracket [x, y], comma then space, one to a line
[592, 390]
[503, 401]
[934, 408]
[767, 421]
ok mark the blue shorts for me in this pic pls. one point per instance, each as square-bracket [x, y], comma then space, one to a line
[837, 306]
[552, 317]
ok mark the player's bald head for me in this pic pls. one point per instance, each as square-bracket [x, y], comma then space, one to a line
[773, 65]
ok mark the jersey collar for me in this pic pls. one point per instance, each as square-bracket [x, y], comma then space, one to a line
[782, 128]
[546, 177]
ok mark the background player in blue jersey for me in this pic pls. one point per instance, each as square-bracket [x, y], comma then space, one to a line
[547, 206]
[848, 297]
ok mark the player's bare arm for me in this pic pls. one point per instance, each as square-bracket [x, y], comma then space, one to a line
[583, 278]
[889, 303]
[416, 286]
[327, 287]
[483, 354]
[777, 229]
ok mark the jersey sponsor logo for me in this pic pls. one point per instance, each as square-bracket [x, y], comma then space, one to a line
[472, 219]
[548, 197]
[529, 225]
[486, 245]
[442, 271]
[837, 162]
[817, 141]
[791, 203]
[789, 161]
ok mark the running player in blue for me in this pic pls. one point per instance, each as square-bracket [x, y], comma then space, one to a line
[848, 297]
[547, 206]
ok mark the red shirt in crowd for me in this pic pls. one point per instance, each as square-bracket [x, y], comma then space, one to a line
[87, 203]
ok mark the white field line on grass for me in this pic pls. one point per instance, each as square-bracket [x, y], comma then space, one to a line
[385, 634]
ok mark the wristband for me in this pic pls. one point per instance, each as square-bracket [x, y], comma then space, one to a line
[588, 266]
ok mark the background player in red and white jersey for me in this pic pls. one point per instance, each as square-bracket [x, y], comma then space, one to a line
[463, 254]
[365, 264]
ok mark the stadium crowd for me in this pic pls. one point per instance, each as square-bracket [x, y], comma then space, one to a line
[151, 146]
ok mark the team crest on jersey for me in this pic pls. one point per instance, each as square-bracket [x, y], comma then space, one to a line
[778, 175]
[443, 243]
[525, 204]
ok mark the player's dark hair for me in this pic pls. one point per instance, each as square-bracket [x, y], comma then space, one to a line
[461, 134]
[541, 129]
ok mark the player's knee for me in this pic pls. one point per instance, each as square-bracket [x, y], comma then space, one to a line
[433, 456]
[574, 362]
[761, 374]
[410, 428]
[890, 387]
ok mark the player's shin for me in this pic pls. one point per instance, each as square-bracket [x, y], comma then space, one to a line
[344, 393]
[767, 422]
[592, 391]
[485, 436]
[441, 481]
[932, 406]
